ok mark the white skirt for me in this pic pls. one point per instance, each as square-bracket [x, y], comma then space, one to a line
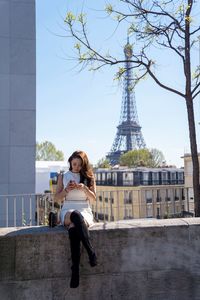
[82, 206]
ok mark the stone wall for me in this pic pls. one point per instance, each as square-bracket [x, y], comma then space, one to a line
[138, 259]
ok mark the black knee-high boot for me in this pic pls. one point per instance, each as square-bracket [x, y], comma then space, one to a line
[75, 256]
[83, 233]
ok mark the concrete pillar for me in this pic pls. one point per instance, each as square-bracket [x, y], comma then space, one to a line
[17, 96]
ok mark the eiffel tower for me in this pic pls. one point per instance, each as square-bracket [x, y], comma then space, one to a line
[129, 135]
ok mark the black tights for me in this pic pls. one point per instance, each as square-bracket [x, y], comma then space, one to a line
[79, 233]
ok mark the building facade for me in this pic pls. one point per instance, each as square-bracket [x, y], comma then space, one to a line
[189, 179]
[140, 193]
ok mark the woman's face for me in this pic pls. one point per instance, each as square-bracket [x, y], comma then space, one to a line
[76, 165]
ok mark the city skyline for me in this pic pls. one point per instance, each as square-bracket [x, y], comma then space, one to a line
[90, 102]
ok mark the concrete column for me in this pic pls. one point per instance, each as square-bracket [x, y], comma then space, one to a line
[17, 96]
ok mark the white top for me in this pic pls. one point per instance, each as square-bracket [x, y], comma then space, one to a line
[73, 195]
[69, 175]
[76, 199]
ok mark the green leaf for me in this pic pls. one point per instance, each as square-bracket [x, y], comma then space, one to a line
[82, 18]
[109, 9]
[118, 17]
[77, 46]
[70, 17]
[132, 29]
[119, 74]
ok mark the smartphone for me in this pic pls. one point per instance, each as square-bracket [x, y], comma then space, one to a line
[72, 182]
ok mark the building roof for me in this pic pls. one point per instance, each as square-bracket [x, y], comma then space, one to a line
[140, 169]
[42, 166]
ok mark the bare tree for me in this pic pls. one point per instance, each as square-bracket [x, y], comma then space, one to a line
[169, 24]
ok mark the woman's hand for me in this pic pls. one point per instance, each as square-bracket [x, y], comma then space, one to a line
[89, 193]
[81, 186]
[71, 186]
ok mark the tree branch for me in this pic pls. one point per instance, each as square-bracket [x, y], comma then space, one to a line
[163, 85]
[172, 47]
[197, 93]
[196, 30]
[143, 11]
[196, 87]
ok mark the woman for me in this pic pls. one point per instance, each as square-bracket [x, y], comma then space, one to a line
[77, 187]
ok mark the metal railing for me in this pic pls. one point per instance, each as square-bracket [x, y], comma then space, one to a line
[33, 209]
[128, 204]
[26, 209]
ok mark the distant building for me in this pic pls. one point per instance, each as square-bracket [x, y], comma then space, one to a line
[126, 193]
[46, 171]
[189, 179]
[139, 193]
[139, 176]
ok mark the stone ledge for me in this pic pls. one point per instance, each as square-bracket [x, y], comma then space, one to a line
[123, 224]
[138, 259]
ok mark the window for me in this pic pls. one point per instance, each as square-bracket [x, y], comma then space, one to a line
[148, 196]
[149, 211]
[145, 177]
[149, 200]
[177, 208]
[115, 178]
[128, 178]
[158, 198]
[183, 194]
[167, 198]
[164, 177]
[128, 214]
[109, 178]
[155, 178]
[173, 177]
[98, 176]
[180, 176]
[176, 198]
[127, 197]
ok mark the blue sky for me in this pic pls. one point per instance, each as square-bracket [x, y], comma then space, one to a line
[80, 110]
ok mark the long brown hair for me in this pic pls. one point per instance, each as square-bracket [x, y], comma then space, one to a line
[86, 169]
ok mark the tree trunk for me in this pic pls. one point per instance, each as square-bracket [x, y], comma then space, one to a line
[190, 111]
[194, 154]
